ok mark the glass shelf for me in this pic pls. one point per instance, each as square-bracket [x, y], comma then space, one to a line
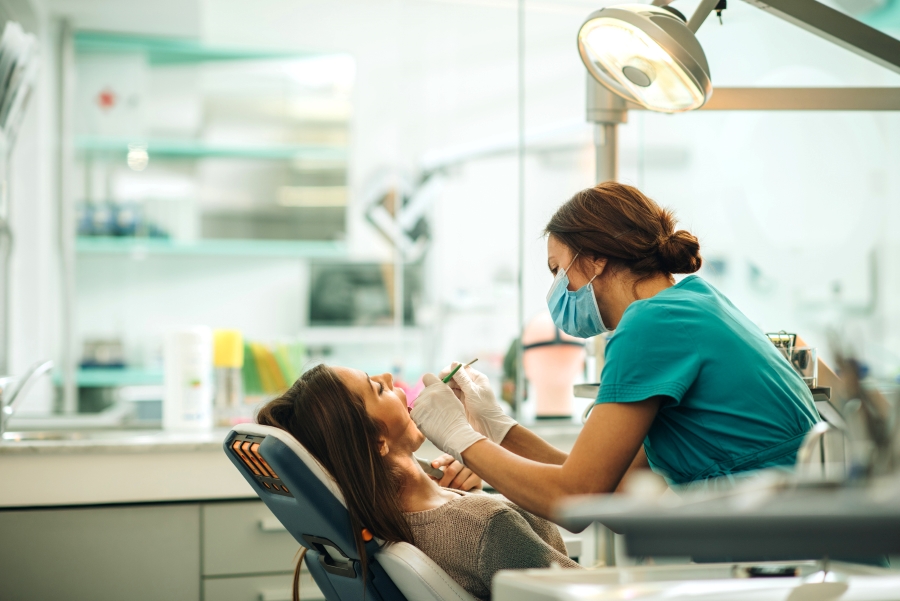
[195, 149]
[318, 249]
[356, 335]
[167, 51]
[112, 377]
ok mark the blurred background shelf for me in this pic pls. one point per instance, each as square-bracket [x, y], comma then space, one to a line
[319, 249]
[113, 377]
[359, 334]
[170, 51]
[198, 149]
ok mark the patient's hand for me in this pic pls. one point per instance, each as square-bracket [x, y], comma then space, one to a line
[456, 475]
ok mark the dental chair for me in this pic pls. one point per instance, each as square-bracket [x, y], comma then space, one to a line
[307, 501]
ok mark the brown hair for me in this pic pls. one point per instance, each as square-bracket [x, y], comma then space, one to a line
[331, 421]
[619, 223]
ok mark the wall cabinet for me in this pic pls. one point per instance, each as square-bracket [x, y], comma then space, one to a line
[228, 551]
[193, 169]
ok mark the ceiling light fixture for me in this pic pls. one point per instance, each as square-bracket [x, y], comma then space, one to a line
[647, 55]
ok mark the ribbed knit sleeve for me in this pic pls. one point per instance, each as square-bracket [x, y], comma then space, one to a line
[548, 531]
[510, 543]
[474, 535]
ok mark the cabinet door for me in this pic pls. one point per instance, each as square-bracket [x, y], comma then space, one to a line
[147, 552]
[244, 537]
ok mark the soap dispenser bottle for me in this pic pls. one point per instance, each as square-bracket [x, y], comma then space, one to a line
[188, 398]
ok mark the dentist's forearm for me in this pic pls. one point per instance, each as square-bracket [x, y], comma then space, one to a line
[535, 487]
[607, 446]
[525, 443]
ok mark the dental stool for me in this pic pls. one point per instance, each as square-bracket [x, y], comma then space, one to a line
[308, 502]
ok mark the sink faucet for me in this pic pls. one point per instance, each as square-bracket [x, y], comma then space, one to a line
[12, 391]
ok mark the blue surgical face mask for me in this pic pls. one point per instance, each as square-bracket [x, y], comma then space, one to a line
[575, 313]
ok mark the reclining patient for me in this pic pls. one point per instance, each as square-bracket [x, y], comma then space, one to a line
[358, 427]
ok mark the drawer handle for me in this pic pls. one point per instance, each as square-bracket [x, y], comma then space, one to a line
[271, 524]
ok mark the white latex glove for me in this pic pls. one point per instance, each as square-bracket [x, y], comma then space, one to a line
[441, 418]
[483, 412]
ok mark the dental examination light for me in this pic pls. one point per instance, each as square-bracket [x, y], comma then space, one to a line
[648, 55]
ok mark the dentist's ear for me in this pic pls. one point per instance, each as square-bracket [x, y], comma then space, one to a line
[382, 447]
[599, 266]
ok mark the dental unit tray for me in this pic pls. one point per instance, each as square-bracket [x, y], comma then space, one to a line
[787, 524]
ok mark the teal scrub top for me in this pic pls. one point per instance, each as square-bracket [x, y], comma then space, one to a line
[732, 403]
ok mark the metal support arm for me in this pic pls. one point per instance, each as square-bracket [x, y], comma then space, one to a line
[804, 99]
[823, 21]
[837, 28]
[606, 110]
[796, 99]
[700, 13]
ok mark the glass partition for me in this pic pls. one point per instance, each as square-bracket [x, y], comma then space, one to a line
[352, 181]
[793, 209]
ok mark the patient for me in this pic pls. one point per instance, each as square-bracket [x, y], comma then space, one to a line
[358, 427]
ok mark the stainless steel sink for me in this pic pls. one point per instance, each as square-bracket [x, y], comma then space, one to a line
[76, 426]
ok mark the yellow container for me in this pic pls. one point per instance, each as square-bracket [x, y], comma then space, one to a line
[228, 348]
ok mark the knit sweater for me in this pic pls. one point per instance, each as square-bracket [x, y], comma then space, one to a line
[475, 535]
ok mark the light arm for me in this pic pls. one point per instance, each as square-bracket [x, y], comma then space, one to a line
[700, 13]
[838, 28]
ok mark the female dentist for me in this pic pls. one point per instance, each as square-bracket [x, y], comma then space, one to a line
[687, 375]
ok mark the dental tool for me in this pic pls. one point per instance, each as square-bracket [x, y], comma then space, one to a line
[449, 376]
[429, 469]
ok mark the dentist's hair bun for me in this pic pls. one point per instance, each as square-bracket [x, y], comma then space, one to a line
[679, 252]
[619, 223]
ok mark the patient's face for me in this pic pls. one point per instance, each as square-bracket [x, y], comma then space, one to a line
[386, 404]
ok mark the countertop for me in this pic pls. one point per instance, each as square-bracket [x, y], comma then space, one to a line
[118, 441]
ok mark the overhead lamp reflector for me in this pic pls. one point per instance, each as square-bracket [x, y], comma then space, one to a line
[647, 55]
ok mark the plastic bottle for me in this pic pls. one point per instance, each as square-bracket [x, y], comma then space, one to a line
[228, 359]
[188, 400]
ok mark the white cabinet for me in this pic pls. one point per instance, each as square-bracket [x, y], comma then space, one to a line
[135, 552]
[245, 538]
[248, 555]
[214, 551]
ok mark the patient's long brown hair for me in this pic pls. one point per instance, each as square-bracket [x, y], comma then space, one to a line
[331, 421]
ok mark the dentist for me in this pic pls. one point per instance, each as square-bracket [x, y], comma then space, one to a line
[689, 381]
